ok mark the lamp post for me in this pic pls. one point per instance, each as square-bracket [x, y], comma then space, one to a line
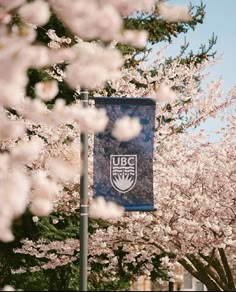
[84, 200]
[171, 286]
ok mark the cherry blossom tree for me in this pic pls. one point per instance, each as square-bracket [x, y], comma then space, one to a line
[194, 181]
[195, 219]
[102, 48]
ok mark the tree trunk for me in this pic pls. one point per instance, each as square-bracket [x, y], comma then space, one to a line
[230, 280]
[216, 275]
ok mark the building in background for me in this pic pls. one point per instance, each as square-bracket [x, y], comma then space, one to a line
[184, 282]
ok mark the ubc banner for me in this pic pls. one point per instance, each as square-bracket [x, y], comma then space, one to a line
[123, 171]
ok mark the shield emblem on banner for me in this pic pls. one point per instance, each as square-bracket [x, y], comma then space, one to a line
[123, 172]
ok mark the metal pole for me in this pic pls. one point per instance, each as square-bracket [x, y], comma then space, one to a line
[84, 201]
[171, 286]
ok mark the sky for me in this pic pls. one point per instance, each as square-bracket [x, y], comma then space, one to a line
[220, 20]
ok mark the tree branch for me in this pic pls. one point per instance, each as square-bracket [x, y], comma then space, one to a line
[215, 263]
[227, 269]
[205, 275]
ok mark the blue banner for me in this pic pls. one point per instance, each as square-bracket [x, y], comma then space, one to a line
[123, 171]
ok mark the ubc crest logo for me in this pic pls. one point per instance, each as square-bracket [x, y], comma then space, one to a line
[123, 172]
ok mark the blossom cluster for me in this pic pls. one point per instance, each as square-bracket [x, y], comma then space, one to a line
[196, 191]
[90, 64]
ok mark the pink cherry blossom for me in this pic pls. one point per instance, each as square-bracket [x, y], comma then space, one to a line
[37, 12]
[46, 90]
[41, 207]
[8, 5]
[174, 12]
[164, 94]
[126, 128]
[94, 65]
[99, 208]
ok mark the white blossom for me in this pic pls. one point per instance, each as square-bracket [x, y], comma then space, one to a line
[99, 208]
[5, 18]
[35, 219]
[93, 66]
[36, 12]
[46, 90]
[135, 37]
[89, 21]
[55, 221]
[126, 128]
[10, 129]
[92, 119]
[8, 5]
[164, 94]
[41, 207]
[128, 7]
[62, 170]
[14, 192]
[43, 187]
[174, 12]
[8, 288]
[27, 151]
